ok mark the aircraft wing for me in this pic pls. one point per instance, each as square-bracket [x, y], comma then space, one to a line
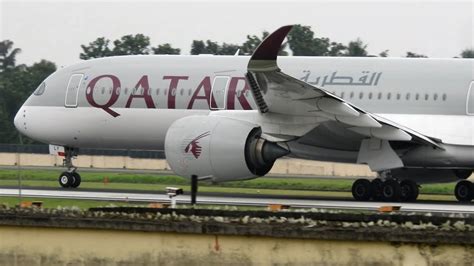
[276, 92]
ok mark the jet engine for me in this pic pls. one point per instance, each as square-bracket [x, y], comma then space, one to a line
[219, 148]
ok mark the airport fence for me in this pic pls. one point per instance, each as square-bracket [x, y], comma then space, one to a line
[44, 149]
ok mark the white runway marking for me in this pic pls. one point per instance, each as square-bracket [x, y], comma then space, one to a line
[329, 204]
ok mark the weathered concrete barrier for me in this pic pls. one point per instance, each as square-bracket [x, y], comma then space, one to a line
[282, 166]
[61, 237]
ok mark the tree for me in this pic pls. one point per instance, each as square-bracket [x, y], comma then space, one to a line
[356, 48]
[96, 49]
[303, 43]
[228, 49]
[336, 49]
[166, 48]
[415, 55]
[384, 53]
[210, 47]
[252, 42]
[126, 45]
[132, 45]
[8, 55]
[198, 47]
[467, 53]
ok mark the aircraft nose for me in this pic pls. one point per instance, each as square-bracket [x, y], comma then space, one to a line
[19, 120]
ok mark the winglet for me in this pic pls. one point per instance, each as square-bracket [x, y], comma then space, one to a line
[269, 48]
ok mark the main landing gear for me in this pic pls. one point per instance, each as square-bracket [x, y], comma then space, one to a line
[388, 190]
[69, 178]
[464, 191]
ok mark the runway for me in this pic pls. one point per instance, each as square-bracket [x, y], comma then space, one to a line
[240, 200]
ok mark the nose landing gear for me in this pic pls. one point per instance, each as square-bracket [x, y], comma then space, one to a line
[69, 178]
[464, 191]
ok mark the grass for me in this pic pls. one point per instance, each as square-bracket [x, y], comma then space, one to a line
[54, 203]
[263, 185]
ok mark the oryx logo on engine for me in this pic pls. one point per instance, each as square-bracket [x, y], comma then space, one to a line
[194, 147]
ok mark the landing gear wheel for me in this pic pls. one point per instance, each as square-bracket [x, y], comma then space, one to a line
[66, 179]
[391, 190]
[362, 189]
[77, 180]
[409, 190]
[464, 191]
[377, 185]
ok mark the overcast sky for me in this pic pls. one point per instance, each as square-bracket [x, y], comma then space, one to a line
[55, 30]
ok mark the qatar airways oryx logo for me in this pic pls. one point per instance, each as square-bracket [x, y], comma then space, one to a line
[193, 146]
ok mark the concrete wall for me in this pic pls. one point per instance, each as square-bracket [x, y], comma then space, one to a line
[282, 166]
[59, 246]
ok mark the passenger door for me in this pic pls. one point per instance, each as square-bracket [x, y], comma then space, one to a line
[219, 93]
[72, 90]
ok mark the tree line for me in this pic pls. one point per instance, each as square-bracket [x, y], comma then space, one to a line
[17, 82]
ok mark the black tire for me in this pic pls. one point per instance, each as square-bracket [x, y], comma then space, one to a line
[391, 190]
[77, 180]
[409, 190]
[377, 185]
[66, 179]
[464, 191]
[362, 189]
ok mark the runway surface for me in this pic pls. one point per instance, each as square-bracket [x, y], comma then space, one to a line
[454, 207]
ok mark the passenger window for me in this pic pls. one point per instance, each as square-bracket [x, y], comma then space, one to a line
[342, 95]
[181, 92]
[444, 96]
[417, 96]
[398, 96]
[380, 96]
[370, 95]
[126, 91]
[389, 95]
[426, 97]
[103, 90]
[117, 91]
[435, 97]
[352, 94]
[361, 95]
[189, 92]
[408, 96]
[157, 91]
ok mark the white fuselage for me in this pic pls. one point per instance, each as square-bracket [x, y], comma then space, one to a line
[130, 102]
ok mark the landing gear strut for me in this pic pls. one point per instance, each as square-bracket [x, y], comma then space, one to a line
[70, 178]
[388, 190]
[194, 188]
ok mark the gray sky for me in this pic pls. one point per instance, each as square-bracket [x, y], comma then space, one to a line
[55, 30]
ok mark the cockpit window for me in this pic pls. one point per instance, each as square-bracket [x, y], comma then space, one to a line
[40, 90]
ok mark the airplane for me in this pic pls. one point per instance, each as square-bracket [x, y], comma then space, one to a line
[228, 118]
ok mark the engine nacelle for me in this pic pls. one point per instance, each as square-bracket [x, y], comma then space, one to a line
[219, 148]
